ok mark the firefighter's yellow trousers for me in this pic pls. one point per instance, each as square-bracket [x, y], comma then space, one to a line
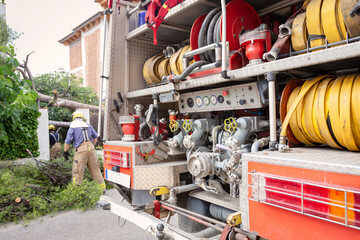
[85, 156]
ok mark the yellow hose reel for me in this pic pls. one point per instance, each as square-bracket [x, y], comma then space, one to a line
[158, 66]
[324, 20]
[325, 110]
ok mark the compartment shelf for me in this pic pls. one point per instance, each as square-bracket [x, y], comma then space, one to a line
[323, 60]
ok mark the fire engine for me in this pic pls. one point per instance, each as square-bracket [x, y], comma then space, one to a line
[234, 119]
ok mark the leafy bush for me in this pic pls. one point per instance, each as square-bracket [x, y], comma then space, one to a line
[18, 110]
[27, 192]
[23, 135]
[80, 197]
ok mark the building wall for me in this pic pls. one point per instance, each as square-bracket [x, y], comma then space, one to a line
[75, 55]
[93, 64]
[86, 55]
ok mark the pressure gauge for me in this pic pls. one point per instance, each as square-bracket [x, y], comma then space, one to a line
[198, 101]
[190, 102]
[220, 98]
[206, 100]
[213, 99]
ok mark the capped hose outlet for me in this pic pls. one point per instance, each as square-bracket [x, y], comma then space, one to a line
[201, 164]
[188, 141]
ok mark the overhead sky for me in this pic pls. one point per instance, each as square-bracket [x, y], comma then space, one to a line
[43, 23]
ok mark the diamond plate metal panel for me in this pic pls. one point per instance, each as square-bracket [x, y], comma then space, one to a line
[139, 52]
[322, 159]
[244, 203]
[147, 146]
[117, 79]
[158, 174]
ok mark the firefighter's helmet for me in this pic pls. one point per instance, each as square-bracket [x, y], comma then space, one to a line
[77, 114]
[52, 127]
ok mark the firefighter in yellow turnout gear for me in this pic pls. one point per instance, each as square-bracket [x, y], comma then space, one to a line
[54, 139]
[83, 137]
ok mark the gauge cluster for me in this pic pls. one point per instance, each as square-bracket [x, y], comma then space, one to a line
[242, 96]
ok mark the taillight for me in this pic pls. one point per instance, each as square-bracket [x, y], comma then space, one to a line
[334, 204]
[121, 159]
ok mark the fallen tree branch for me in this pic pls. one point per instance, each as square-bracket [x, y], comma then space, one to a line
[66, 103]
[59, 124]
[52, 101]
[36, 195]
[50, 169]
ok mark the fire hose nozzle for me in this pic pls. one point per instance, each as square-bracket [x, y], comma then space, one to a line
[284, 30]
[283, 147]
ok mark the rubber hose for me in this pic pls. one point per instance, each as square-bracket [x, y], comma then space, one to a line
[325, 110]
[188, 70]
[210, 35]
[210, 55]
[203, 31]
[217, 37]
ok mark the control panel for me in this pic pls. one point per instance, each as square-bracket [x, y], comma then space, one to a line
[242, 96]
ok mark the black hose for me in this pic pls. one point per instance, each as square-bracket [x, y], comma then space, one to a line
[217, 37]
[203, 30]
[188, 70]
[210, 36]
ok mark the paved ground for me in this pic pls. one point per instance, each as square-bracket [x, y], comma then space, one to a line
[91, 225]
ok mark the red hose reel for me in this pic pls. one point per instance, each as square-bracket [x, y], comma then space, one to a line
[240, 17]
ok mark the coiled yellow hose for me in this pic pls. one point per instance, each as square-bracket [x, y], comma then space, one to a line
[324, 19]
[157, 66]
[326, 110]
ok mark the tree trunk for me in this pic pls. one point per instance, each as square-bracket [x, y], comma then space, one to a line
[66, 103]
[60, 124]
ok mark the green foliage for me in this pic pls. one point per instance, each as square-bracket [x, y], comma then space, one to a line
[23, 136]
[18, 110]
[38, 196]
[79, 197]
[68, 87]
[7, 36]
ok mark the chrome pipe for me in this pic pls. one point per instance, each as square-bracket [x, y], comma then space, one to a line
[271, 78]
[201, 50]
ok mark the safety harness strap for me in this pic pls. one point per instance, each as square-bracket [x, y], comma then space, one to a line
[56, 140]
[85, 134]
